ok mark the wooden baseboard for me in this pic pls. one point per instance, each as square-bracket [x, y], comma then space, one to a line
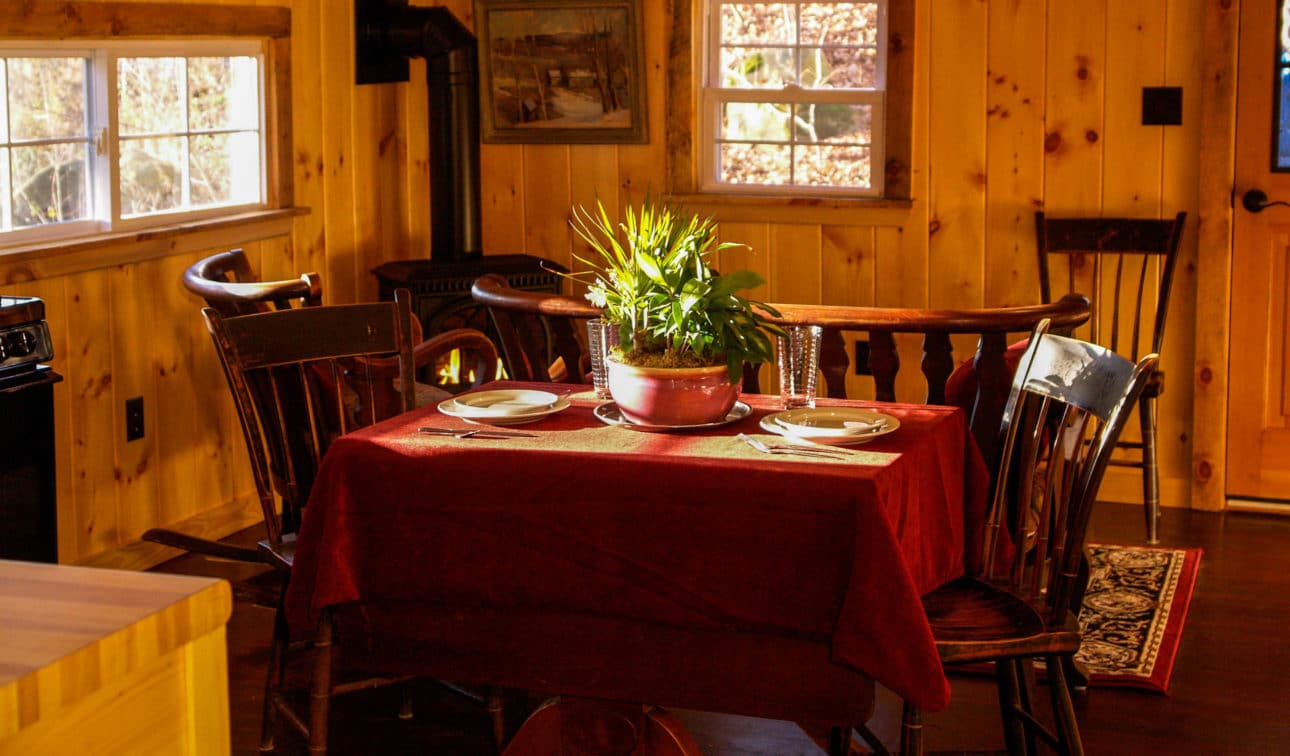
[214, 523]
[1124, 485]
[1281, 508]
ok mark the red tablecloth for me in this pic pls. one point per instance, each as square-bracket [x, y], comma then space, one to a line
[693, 530]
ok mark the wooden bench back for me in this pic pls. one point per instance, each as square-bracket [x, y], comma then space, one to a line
[992, 326]
[516, 313]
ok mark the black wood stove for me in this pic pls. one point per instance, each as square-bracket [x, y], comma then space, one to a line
[388, 33]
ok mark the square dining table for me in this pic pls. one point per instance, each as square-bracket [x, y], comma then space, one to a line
[679, 569]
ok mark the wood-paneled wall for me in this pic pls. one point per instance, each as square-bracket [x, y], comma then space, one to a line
[1019, 105]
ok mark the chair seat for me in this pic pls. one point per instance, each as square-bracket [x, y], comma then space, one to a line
[973, 620]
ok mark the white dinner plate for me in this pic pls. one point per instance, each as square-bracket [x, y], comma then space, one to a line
[504, 406]
[771, 424]
[833, 421]
[609, 414]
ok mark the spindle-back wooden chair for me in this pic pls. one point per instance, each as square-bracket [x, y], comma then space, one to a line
[1126, 266]
[1069, 402]
[284, 369]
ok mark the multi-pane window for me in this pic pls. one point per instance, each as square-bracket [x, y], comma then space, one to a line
[124, 136]
[793, 96]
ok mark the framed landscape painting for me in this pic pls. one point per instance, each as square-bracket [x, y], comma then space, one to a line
[557, 71]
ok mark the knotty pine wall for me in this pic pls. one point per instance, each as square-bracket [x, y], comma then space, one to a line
[1019, 105]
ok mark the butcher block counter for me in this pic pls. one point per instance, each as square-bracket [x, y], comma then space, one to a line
[97, 661]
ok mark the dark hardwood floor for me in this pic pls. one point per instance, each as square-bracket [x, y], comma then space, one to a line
[1230, 692]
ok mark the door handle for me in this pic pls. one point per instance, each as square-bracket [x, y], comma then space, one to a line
[1256, 200]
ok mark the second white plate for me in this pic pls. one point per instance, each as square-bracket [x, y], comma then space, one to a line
[771, 424]
[833, 421]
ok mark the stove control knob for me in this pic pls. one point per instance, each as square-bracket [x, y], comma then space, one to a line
[18, 344]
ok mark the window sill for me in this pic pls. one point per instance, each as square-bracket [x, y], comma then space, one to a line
[51, 259]
[849, 211]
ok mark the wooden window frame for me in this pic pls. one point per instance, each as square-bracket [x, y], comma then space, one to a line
[60, 20]
[684, 67]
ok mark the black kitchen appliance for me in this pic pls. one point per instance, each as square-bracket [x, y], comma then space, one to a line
[28, 504]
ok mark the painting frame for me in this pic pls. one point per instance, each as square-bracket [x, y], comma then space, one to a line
[566, 84]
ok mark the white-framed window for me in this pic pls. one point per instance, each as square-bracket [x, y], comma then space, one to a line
[793, 97]
[112, 136]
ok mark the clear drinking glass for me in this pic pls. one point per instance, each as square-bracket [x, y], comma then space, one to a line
[601, 337]
[799, 362]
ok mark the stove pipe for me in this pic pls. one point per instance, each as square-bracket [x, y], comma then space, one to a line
[388, 33]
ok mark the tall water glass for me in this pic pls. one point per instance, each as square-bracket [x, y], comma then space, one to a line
[799, 362]
[601, 337]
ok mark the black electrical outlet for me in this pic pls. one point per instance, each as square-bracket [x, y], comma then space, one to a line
[1162, 106]
[862, 358]
[134, 418]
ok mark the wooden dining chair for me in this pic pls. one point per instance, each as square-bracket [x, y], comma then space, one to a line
[226, 282]
[1127, 267]
[542, 335]
[1068, 404]
[284, 369]
[229, 286]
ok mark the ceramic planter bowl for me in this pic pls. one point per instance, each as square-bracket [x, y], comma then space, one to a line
[671, 396]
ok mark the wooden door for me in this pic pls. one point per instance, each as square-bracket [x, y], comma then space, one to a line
[1258, 446]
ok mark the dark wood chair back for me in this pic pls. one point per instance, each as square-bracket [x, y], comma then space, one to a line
[542, 336]
[227, 283]
[1114, 261]
[286, 368]
[1069, 402]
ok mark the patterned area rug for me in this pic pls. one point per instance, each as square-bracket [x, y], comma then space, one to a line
[1133, 613]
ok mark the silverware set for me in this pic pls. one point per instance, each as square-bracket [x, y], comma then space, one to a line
[802, 450]
[477, 433]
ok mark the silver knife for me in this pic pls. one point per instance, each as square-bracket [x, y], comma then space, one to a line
[480, 433]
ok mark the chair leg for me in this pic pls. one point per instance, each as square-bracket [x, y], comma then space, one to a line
[1063, 709]
[320, 692]
[1026, 693]
[1150, 469]
[497, 715]
[1014, 731]
[839, 741]
[273, 678]
[911, 731]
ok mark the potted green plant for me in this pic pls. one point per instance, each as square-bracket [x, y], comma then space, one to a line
[684, 332]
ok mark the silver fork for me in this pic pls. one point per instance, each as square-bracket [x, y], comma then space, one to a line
[805, 451]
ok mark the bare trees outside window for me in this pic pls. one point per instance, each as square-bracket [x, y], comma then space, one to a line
[44, 141]
[188, 132]
[794, 95]
[118, 133]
